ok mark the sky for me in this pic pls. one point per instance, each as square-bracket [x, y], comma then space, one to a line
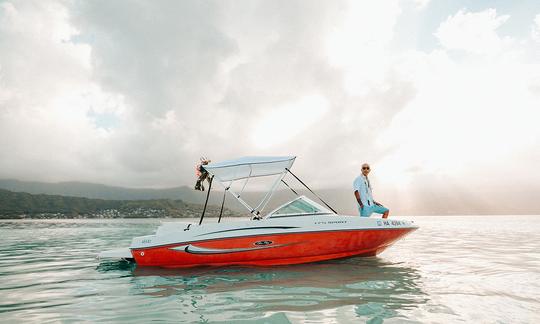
[441, 94]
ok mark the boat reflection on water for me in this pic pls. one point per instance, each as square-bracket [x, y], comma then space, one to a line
[362, 287]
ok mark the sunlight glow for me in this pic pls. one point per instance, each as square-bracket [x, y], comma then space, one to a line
[463, 117]
[359, 44]
[285, 122]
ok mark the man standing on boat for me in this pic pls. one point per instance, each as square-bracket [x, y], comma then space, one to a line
[364, 197]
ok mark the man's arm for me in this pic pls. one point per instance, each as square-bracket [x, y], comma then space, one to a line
[357, 195]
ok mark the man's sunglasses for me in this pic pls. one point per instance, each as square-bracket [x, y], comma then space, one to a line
[365, 168]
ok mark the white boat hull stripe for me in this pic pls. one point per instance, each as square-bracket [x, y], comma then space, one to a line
[200, 250]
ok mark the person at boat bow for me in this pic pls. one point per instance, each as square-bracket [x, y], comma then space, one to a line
[364, 196]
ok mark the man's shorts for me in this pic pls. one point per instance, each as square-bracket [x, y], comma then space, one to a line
[368, 210]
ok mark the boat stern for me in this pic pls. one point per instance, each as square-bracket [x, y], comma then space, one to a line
[116, 254]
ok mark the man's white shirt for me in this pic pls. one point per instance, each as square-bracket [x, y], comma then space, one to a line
[361, 185]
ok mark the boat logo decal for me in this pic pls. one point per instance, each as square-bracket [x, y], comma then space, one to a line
[263, 243]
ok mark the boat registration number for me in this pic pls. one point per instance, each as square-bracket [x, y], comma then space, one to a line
[393, 222]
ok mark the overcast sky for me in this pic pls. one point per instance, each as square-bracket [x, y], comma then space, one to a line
[132, 93]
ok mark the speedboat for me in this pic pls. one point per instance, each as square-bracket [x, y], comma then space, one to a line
[299, 231]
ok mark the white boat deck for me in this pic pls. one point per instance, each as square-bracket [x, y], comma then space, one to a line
[123, 254]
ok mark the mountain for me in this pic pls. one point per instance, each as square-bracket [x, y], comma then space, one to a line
[25, 205]
[99, 191]
[417, 199]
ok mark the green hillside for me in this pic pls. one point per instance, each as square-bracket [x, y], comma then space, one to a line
[25, 205]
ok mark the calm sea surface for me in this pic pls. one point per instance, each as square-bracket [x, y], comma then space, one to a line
[453, 269]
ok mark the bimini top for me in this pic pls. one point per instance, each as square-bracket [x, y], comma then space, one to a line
[250, 167]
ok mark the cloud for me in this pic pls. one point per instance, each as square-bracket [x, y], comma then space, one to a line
[535, 32]
[161, 55]
[132, 93]
[45, 93]
[421, 4]
[359, 45]
[282, 124]
[473, 114]
[473, 32]
[139, 91]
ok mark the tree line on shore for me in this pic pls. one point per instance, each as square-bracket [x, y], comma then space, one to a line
[25, 205]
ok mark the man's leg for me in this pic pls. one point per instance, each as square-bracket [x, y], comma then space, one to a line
[381, 210]
[365, 212]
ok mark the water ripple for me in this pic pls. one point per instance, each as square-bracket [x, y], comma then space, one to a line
[454, 269]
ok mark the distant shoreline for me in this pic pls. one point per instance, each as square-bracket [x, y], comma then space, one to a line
[22, 205]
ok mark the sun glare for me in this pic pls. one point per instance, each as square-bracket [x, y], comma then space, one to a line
[289, 120]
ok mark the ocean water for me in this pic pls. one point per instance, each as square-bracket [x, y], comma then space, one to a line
[474, 269]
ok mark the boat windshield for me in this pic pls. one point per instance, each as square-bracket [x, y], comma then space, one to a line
[299, 206]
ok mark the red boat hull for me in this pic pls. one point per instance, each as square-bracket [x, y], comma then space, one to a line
[274, 249]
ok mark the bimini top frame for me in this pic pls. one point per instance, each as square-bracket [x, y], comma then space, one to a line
[245, 168]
